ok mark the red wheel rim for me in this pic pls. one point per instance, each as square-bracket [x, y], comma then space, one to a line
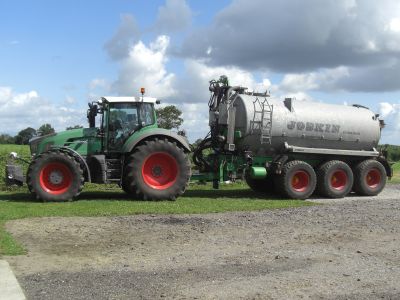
[55, 178]
[160, 170]
[373, 178]
[300, 181]
[339, 180]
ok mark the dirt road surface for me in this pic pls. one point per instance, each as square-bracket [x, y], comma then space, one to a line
[345, 249]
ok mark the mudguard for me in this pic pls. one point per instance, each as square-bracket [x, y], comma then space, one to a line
[135, 139]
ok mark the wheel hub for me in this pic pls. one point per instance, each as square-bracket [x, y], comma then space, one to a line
[156, 171]
[56, 177]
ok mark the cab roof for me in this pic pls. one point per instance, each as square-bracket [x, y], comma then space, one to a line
[129, 99]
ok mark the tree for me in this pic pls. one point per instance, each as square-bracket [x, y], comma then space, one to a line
[23, 137]
[6, 139]
[45, 129]
[169, 117]
[197, 143]
[74, 127]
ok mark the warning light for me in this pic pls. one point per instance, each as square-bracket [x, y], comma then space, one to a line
[142, 90]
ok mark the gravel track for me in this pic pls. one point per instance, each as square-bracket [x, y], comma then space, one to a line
[346, 249]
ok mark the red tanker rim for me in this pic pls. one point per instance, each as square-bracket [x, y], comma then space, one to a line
[373, 178]
[339, 180]
[300, 181]
[49, 184]
[160, 170]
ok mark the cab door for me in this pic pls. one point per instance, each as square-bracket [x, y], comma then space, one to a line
[122, 120]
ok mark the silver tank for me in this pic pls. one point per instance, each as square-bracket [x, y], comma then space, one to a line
[266, 124]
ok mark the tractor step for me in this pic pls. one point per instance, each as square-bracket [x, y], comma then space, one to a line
[113, 170]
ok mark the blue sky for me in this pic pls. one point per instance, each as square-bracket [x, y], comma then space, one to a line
[55, 56]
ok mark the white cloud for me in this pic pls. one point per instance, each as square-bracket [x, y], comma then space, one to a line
[145, 66]
[385, 109]
[324, 79]
[394, 25]
[125, 36]
[390, 112]
[306, 37]
[31, 110]
[69, 100]
[192, 87]
[99, 83]
[175, 15]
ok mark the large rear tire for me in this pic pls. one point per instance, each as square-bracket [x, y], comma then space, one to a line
[297, 180]
[335, 179]
[369, 178]
[55, 176]
[158, 170]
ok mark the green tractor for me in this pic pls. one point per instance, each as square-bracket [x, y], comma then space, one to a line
[127, 148]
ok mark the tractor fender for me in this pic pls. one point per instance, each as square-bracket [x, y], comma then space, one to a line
[131, 143]
[80, 158]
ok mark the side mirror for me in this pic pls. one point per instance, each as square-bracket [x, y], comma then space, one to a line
[91, 114]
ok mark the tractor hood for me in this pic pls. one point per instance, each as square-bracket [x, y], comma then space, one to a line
[60, 139]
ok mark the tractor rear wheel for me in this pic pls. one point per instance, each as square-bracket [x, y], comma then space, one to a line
[55, 176]
[158, 170]
[127, 188]
[335, 179]
[369, 178]
[297, 180]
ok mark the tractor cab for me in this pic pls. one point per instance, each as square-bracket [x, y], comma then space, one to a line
[120, 118]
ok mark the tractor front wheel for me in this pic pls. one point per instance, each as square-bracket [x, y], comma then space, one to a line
[157, 170]
[55, 176]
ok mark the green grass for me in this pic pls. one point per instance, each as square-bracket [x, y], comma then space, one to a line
[396, 173]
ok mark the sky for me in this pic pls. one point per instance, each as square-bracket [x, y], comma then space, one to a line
[56, 56]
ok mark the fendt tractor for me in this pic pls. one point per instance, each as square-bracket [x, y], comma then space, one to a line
[293, 148]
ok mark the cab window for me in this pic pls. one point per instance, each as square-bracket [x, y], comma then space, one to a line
[147, 114]
[123, 121]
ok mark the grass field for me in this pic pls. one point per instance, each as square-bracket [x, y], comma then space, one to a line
[396, 173]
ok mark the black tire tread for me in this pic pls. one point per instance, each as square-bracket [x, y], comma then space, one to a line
[280, 180]
[133, 183]
[322, 187]
[34, 168]
[358, 186]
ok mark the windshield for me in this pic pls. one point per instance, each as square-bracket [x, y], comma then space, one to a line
[123, 120]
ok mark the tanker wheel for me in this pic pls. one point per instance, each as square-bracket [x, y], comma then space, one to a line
[265, 185]
[369, 178]
[55, 176]
[335, 179]
[158, 170]
[297, 180]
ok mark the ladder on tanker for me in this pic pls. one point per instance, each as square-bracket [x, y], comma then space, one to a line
[262, 119]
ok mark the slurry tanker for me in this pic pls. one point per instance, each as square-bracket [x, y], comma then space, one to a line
[294, 148]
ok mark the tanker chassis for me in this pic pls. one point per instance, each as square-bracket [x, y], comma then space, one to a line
[292, 147]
